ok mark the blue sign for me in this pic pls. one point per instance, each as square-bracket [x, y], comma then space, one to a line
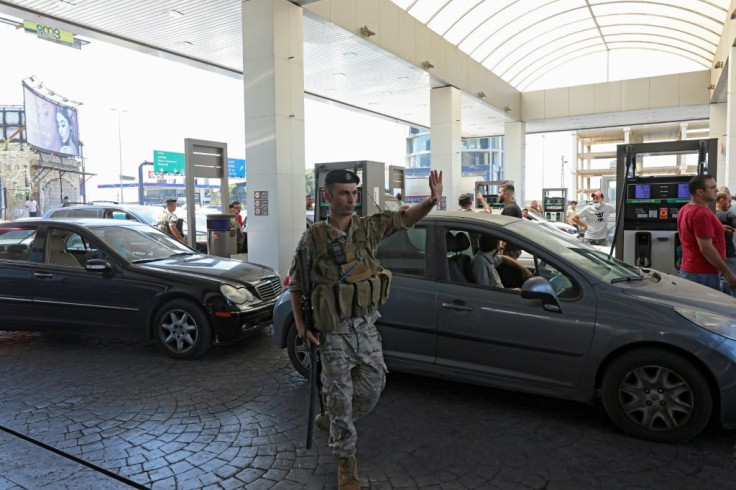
[236, 168]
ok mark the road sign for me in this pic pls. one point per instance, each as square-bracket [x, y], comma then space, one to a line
[168, 162]
[236, 168]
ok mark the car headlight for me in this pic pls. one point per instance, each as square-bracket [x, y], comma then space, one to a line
[237, 295]
[722, 325]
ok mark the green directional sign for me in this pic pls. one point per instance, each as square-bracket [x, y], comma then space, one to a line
[168, 162]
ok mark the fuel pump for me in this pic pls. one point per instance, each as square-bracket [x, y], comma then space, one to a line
[646, 228]
[554, 203]
[372, 197]
[489, 189]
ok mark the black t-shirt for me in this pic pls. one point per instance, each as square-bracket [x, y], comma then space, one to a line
[728, 218]
[510, 276]
[512, 209]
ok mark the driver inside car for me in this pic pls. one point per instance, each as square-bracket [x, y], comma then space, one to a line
[490, 260]
[116, 239]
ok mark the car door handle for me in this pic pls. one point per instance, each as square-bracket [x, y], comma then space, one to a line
[44, 275]
[459, 306]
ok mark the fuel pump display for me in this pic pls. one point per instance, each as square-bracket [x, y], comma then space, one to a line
[646, 232]
[554, 203]
[489, 189]
[654, 204]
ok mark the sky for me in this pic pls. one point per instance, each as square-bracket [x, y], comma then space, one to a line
[160, 102]
[154, 103]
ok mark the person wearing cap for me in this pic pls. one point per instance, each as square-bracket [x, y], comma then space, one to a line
[596, 220]
[465, 201]
[349, 285]
[168, 221]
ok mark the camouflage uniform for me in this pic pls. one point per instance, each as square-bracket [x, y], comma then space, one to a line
[353, 371]
[166, 219]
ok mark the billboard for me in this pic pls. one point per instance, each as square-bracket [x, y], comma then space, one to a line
[50, 126]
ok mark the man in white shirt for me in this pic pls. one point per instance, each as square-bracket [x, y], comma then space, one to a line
[596, 220]
[32, 206]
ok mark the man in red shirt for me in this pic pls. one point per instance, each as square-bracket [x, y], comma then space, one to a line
[702, 236]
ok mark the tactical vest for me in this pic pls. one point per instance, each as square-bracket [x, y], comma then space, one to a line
[354, 289]
[163, 222]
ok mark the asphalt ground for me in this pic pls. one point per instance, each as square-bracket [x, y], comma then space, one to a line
[80, 412]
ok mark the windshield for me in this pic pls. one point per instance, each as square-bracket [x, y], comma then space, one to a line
[149, 214]
[200, 222]
[536, 216]
[140, 243]
[582, 256]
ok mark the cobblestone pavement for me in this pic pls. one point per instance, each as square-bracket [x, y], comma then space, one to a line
[235, 419]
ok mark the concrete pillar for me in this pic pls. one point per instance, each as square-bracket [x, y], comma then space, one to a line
[718, 123]
[514, 157]
[273, 67]
[729, 167]
[445, 108]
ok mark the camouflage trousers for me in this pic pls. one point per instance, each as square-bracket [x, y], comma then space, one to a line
[353, 376]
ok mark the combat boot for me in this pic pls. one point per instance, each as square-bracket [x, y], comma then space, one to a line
[347, 474]
[322, 421]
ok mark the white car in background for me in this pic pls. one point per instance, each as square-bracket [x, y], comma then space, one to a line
[556, 225]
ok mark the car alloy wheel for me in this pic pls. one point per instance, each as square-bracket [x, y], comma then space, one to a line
[657, 395]
[182, 330]
[298, 351]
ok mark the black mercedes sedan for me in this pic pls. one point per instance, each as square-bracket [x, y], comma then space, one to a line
[126, 278]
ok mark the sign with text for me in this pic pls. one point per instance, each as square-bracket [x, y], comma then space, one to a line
[260, 203]
[168, 162]
[50, 33]
[236, 168]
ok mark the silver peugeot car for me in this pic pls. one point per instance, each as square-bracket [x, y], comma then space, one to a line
[657, 350]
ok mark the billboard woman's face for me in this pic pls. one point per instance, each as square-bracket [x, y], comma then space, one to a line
[63, 126]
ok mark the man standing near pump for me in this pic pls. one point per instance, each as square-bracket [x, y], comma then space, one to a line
[703, 237]
[349, 284]
[596, 220]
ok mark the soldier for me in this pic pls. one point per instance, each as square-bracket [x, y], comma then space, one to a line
[168, 221]
[349, 284]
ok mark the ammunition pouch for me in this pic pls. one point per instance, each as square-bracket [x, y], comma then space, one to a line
[324, 308]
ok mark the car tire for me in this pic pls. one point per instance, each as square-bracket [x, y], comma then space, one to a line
[657, 395]
[298, 352]
[182, 329]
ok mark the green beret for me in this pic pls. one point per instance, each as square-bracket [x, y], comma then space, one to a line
[341, 177]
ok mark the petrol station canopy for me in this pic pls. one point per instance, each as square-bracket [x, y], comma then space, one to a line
[530, 45]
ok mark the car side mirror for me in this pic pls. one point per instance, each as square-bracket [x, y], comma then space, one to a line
[540, 288]
[97, 265]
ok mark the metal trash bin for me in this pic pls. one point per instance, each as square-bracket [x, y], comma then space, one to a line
[222, 235]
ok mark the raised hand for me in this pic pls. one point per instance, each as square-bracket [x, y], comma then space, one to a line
[435, 186]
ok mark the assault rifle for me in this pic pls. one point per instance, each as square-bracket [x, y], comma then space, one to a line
[315, 383]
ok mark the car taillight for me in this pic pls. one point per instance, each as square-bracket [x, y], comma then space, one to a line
[286, 280]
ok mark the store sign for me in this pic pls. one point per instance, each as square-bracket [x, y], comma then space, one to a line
[48, 32]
